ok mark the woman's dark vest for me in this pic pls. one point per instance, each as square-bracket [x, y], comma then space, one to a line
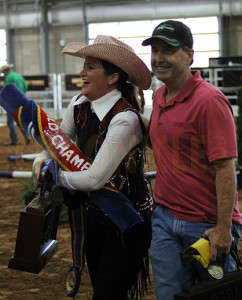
[129, 176]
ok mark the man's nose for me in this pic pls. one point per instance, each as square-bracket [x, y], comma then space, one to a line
[160, 56]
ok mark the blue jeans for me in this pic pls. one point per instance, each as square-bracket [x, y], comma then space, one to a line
[171, 236]
[13, 130]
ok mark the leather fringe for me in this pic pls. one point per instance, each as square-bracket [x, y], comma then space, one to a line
[140, 286]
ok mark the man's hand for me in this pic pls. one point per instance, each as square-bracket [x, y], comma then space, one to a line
[220, 239]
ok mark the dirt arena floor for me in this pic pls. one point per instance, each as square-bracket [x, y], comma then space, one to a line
[49, 283]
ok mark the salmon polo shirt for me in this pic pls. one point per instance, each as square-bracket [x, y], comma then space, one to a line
[188, 133]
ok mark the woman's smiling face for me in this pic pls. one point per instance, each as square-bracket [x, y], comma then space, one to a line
[95, 81]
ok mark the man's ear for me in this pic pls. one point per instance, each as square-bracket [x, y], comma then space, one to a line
[190, 56]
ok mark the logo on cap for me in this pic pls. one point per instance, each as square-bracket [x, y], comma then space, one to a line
[166, 26]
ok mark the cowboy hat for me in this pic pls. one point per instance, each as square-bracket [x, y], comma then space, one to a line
[5, 67]
[116, 52]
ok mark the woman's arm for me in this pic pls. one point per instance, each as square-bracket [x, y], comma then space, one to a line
[124, 132]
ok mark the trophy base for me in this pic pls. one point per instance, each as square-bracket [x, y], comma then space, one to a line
[36, 238]
[46, 254]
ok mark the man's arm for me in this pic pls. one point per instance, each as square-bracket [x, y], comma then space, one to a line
[220, 236]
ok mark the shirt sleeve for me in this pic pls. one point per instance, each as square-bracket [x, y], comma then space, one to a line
[124, 132]
[218, 129]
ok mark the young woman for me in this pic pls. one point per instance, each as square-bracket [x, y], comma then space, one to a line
[106, 125]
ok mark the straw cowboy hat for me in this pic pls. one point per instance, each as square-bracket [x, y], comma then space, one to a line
[116, 52]
[5, 67]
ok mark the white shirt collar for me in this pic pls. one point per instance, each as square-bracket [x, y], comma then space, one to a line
[102, 105]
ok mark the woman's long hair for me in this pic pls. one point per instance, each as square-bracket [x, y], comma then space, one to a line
[127, 89]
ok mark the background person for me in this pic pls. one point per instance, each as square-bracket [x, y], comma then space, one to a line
[105, 122]
[192, 132]
[13, 77]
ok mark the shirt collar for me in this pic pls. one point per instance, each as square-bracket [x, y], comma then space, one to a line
[185, 92]
[102, 105]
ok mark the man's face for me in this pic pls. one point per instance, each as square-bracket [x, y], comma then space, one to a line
[169, 63]
[5, 72]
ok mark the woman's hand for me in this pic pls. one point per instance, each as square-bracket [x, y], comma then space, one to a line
[37, 166]
[39, 163]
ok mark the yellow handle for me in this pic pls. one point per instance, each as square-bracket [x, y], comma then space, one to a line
[203, 247]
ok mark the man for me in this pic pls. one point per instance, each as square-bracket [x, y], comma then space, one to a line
[12, 77]
[194, 145]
